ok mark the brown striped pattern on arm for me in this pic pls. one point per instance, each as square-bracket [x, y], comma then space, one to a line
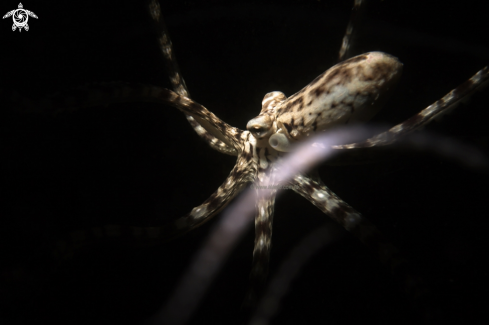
[146, 236]
[65, 247]
[112, 93]
[421, 119]
[328, 202]
[177, 81]
[263, 239]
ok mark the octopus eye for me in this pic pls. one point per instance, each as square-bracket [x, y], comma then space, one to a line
[258, 131]
[260, 126]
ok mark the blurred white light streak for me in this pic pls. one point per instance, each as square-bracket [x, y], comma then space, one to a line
[237, 217]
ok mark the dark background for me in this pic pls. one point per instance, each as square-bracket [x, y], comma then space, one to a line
[140, 164]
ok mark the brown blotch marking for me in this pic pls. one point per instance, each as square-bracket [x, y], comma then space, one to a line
[346, 76]
[381, 69]
[376, 70]
[339, 213]
[352, 109]
[440, 102]
[247, 155]
[287, 108]
[413, 121]
[221, 125]
[238, 175]
[319, 91]
[310, 102]
[457, 92]
[314, 125]
[362, 76]
[214, 202]
[266, 154]
[341, 66]
[262, 228]
[347, 208]
[194, 106]
[301, 103]
[297, 102]
[260, 261]
[251, 148]
[292, 103]
[333, 74]
[308, 188]
[356, 59]
[167, 95]
[288, 127]
[354, 101]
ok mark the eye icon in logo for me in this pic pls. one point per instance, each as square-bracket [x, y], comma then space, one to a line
[20, 17]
